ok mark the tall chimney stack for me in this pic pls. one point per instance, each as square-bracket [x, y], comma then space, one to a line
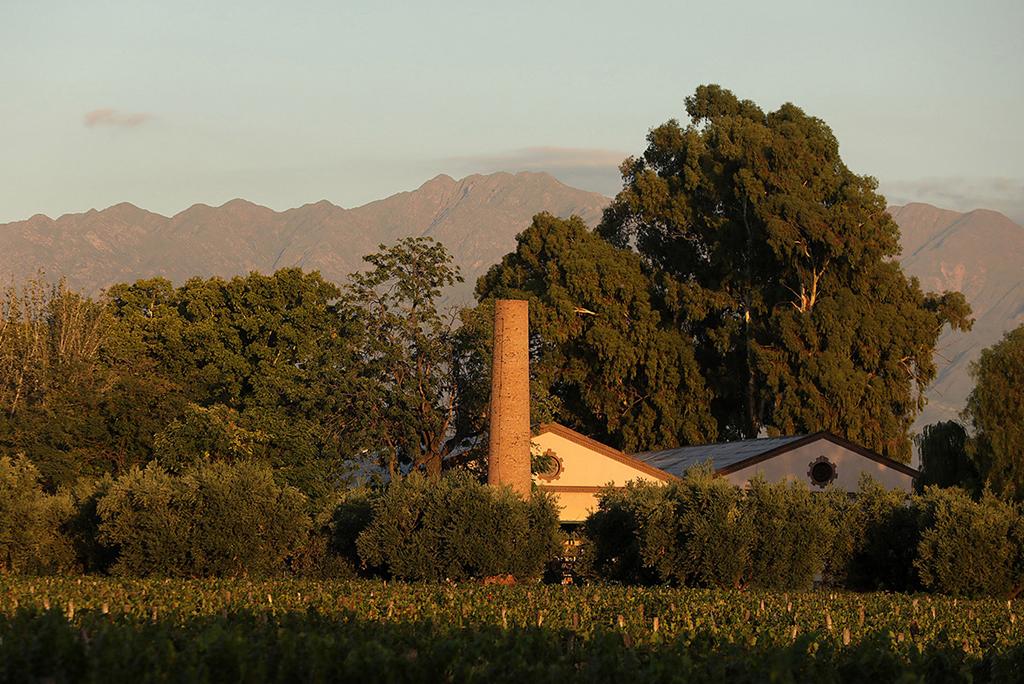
[509, 458]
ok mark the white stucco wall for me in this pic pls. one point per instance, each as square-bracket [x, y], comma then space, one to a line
[584, 473]
[849, 466]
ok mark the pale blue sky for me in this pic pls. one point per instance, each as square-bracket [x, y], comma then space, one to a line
[165, 104]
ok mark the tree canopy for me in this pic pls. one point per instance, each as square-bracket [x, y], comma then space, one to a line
[405, 394]
[779, 262]
[600, 345]
[944, 458]
[996, 410]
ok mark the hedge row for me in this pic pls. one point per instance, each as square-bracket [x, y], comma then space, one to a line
[701, 531]
[221, 519]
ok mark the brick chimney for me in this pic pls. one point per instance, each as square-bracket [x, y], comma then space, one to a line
[509, 458]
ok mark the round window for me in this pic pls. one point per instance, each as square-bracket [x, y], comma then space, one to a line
[822, 472]
[553, 467]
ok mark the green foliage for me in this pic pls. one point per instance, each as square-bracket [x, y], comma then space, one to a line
[456, 528]
[779, 263]
[350, 515]
[29, 522]
[215, 519]
[264, 361]
[600, 343]
[53, 382]
[944, 459]
[792, 535]
[405, 399]
[703, 531]
[714, 536]
[630, 534]
[884, 533]
[205, 433]
[81, 528]
[996, 410]
[970, 548]
[85, 387]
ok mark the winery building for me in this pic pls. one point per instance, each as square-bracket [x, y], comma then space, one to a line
[580, 467]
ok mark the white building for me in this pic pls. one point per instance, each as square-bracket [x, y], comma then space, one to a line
[581, 467]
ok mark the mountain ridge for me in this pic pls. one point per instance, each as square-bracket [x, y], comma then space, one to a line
[476, 218]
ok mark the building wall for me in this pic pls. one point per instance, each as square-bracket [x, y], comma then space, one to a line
[848, 465]
[584, 472]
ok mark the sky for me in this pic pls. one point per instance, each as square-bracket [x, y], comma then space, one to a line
[169, 103]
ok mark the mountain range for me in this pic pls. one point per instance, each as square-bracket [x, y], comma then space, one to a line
[477, 218]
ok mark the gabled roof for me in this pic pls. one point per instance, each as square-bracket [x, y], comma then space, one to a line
[605, 450]
[729, 457]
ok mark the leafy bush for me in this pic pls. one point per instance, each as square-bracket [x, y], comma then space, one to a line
[882, 533]
[30, 541]
[792, 533]
[351, 515]
[704, 531]
[970, 548]
[628, 534]
[714, 534]
[331, 550]
[457, 528]
[81, 528]
[216, 519]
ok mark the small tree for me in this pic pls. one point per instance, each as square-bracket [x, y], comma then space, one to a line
[405, 398]
[996, 410]
[944, 458]
[970, 548]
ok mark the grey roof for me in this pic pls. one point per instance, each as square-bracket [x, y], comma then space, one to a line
[724, 454]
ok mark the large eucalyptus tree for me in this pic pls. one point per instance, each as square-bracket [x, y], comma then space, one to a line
[780, 263]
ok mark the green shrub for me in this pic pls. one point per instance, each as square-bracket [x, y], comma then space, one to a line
[350, 515]
[215, 519]
[456, 528]
[713, 534]
[331, 552]
[703, 531]
[30, 520]
[847, 530]
[970, 548]
[792, 533]
[630, 536]
[884, 534]
[81, 528]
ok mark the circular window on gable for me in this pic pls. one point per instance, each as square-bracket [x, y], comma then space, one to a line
[822, 472]
[553, 467]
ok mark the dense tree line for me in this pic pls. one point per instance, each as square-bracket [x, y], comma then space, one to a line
[287, 369]
[743, 281]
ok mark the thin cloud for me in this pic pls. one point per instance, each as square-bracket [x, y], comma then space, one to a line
[1004, 195]
[113, 117]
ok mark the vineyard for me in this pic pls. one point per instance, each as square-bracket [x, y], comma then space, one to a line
[110, 630]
